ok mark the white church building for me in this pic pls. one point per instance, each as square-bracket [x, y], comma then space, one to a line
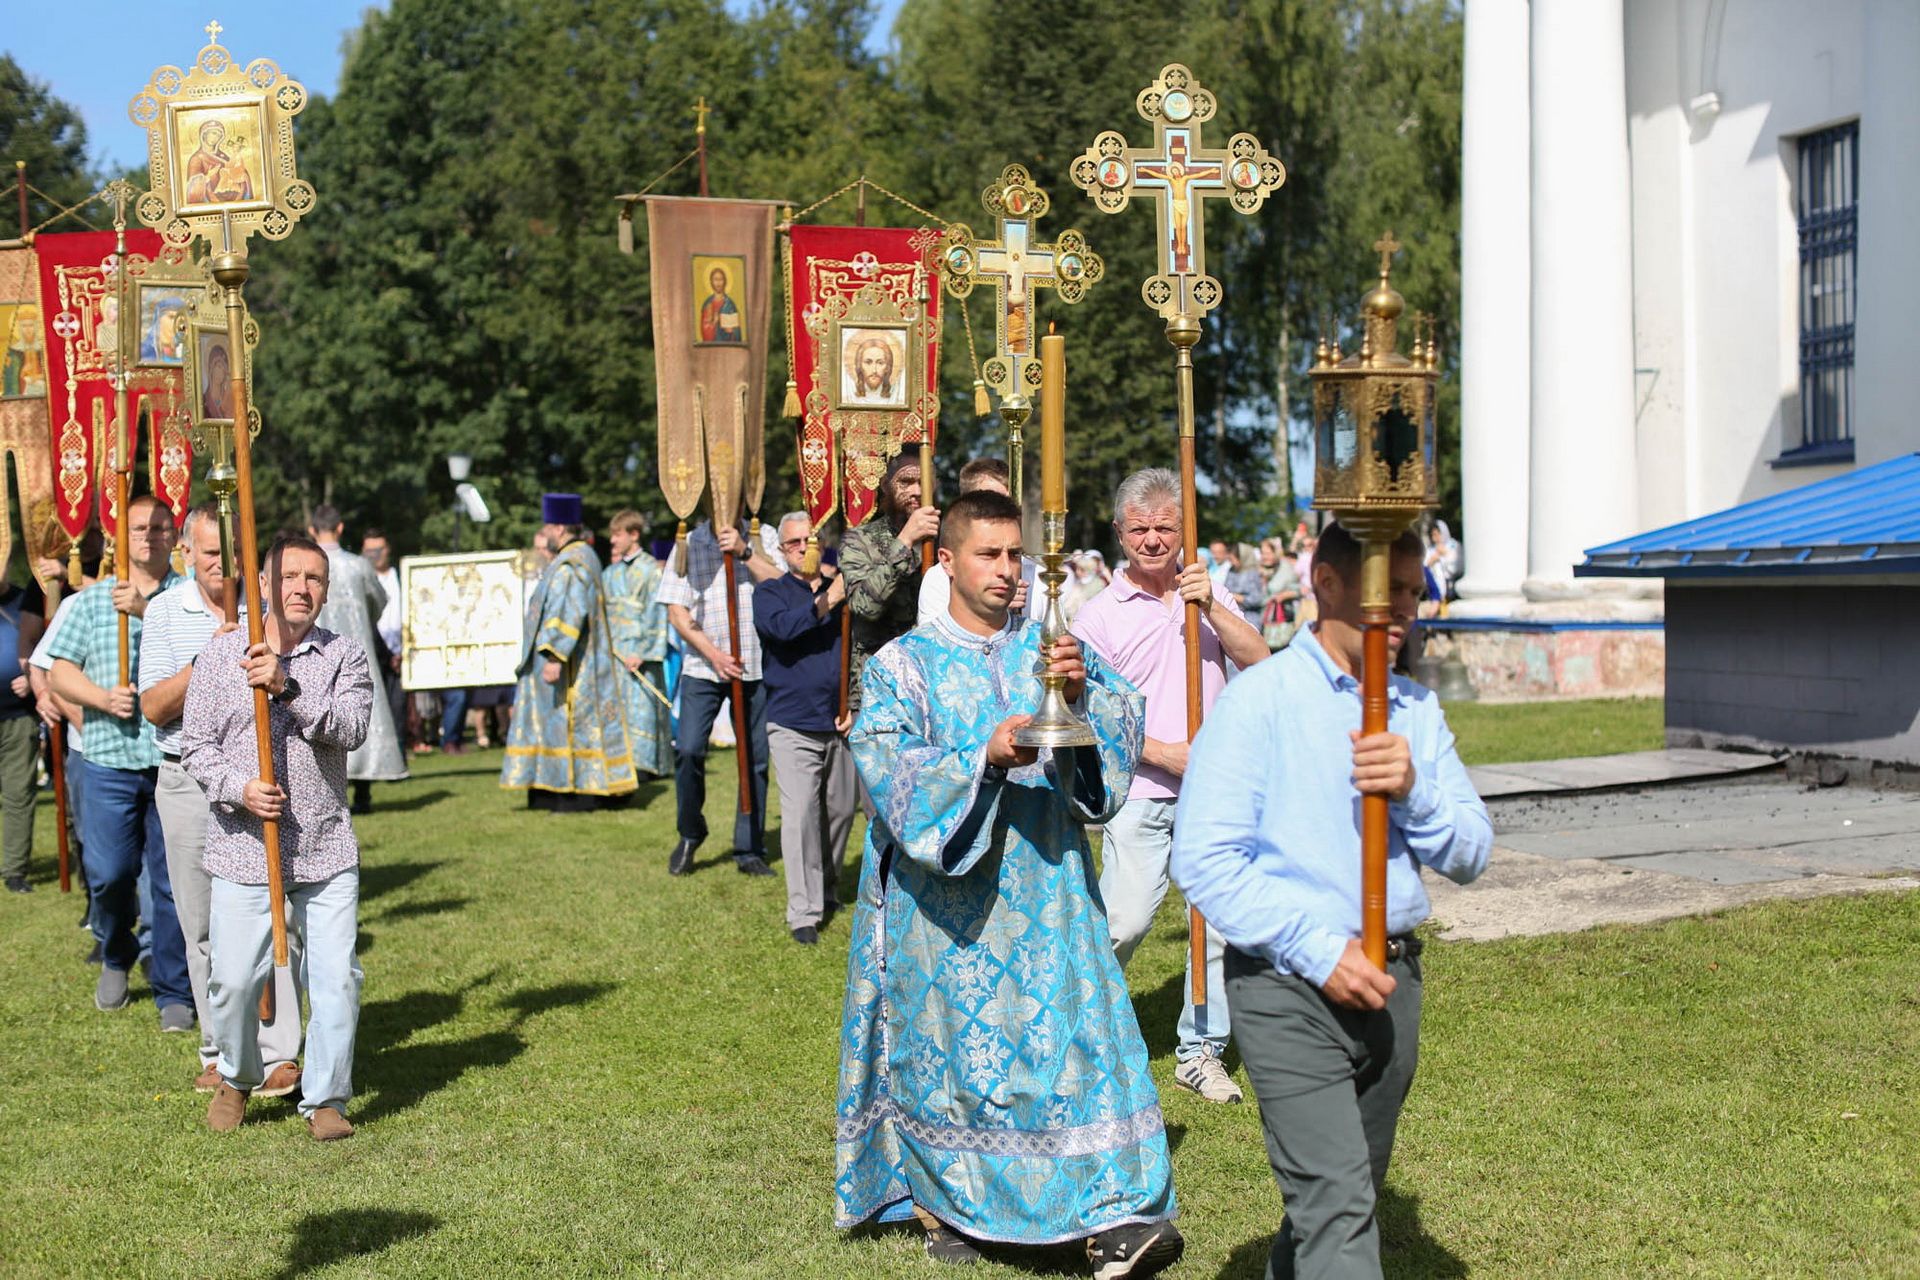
[1690, 279]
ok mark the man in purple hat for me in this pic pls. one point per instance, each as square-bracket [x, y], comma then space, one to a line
[567, 744]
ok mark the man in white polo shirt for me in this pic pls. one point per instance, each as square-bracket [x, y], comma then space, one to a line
[179, 623]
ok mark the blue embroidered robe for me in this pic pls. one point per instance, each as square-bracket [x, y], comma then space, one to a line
[991, 1068]
[638, 627]
[570, 736]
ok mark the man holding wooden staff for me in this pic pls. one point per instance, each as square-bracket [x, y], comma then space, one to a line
[881, 560]
[1267, 846]
[696, 603]
[319, 687]
[1137, 626]
[120, 817]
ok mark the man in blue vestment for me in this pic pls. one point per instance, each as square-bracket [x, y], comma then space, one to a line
[993, 1082]
[567, 743]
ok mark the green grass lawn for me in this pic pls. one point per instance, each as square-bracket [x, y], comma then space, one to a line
[571, 1064]
[1497, 733]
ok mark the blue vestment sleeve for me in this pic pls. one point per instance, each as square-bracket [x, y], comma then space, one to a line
[1103, 773]
[934, 802]
[564, 617]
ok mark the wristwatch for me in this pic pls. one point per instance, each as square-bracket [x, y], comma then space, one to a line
[289, 691]
[994, 773]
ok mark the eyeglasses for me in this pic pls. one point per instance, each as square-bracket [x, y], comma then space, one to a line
[793, 542]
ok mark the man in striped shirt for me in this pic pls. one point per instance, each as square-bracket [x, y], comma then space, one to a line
[179, 623]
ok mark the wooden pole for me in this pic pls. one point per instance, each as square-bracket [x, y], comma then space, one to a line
[57, 769]
[20, 180]
[230, 272]
[123, 440]
[1376, 616]
[1183, 331]
[230, 605]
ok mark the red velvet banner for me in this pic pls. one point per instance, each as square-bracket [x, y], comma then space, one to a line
[853, 419]
[80, 304]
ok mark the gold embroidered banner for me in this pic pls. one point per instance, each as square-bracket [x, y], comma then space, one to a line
[23, 410]
[712, 265]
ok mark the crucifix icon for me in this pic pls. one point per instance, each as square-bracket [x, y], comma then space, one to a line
[1181, 175]
[1015, 266]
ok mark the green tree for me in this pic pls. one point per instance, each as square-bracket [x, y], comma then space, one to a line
[50, 137]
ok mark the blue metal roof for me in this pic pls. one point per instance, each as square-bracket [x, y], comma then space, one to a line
[1867, 521]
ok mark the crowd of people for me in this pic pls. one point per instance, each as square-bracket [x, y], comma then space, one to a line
[993, 1085]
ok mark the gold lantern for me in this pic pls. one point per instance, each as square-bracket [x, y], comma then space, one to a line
[1373, 425]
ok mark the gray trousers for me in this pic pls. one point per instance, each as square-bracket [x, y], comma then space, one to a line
[817, 800]
[19, 751]
[1330, 1081]
[183, 821]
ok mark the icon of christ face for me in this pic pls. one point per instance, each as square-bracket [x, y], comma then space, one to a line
[875, 364]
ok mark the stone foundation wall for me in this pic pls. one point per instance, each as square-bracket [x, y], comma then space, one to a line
[1528, 665]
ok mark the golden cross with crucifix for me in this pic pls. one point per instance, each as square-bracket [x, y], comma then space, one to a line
[700, 111]
[1015, 265]
[1181, 174]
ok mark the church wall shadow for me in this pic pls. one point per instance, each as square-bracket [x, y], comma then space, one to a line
[322, 1239]
[1407, 1252]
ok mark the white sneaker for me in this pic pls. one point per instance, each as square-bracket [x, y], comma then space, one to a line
[1207, 1076]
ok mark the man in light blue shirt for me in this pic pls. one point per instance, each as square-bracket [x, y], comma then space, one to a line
[1267, 846]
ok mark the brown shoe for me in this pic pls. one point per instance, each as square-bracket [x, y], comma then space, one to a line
[281, 1081]
[328, 1125]
[227, 1110]
[208, 1081]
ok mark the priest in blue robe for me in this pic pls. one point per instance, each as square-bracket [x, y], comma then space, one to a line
[638, 628]
[993, 1082]
[567, 744]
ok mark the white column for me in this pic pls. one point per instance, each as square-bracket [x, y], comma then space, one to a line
[1495, 197]
[1886, 377]
[1582, 458]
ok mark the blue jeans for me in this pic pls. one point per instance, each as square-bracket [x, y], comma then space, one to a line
[123, 837]
[325, 917]
[453, 716]
[1135, 846]
[699, 703]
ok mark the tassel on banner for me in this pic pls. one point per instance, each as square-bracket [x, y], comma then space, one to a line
[626, 227]
[981, 406]
[790, 407]
[810, 563]
[75, 579]
[679, 550]
[753, 534]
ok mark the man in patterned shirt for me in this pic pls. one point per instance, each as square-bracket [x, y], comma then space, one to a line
[320, 690]
[881, 562]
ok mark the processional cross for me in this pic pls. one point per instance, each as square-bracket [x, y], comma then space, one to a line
[1015, 265]
[1181, 174]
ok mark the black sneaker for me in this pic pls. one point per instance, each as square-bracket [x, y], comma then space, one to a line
[1139, 1249]
[806, 935]
[751, 864]
[18, 884]
[944, 1244]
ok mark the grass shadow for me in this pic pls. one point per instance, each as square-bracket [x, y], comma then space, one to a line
[534, 1001]
[322, 1239]
[412, 803]
[1158, 1011]
[402, 1078]
[385, 1023]
[414, 910]
[1406, 1250]
[385, 877]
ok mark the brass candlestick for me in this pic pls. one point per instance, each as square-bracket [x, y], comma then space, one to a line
[1014, 411]
[1055, 723]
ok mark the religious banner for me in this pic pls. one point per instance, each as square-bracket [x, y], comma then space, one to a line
[462, 618]
[84, 334]
[23, 410]
[712, 266]
[865, 334]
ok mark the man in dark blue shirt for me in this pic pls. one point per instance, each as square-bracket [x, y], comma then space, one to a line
[797, 615]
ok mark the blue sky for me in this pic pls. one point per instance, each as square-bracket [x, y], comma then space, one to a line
[96, 54]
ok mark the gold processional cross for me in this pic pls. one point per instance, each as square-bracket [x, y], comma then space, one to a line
[1180, 174]
[1015, 265]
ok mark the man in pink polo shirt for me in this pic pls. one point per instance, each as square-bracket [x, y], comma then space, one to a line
[1138, 626]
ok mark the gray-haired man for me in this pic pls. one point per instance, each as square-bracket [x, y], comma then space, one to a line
[179, 623]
